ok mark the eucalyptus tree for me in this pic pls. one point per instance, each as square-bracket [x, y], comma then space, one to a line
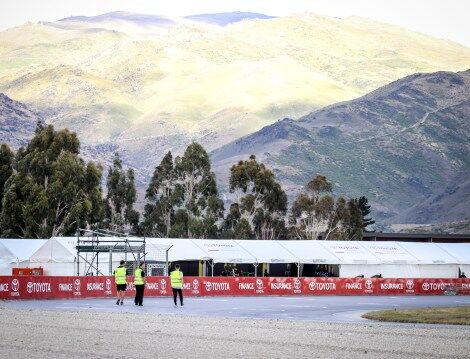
[52, 190]
[201, 208]
[119, 213]
[261, 201]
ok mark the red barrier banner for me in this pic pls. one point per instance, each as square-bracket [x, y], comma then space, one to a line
[44, 287]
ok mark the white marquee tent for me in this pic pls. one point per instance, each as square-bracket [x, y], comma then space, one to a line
[460, 251]
[432, 260]
[22, 249]
[6, 260]
[58, 255]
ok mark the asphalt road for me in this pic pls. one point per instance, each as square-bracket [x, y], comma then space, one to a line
[322, 308]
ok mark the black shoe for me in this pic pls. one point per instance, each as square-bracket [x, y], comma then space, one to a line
[140, 305]
[122, 303]
[182, 304]
[117, 303]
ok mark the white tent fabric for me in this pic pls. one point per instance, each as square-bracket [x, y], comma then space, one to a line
[271, 252]
[224, 251]
[58, 255]
[22, 249]
[309, 252]
[181, 249]
[350, 252]
[460, 251]
[6, 260]
[428, 253]
[389, 252]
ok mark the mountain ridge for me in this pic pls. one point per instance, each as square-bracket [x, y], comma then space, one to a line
[421, 120]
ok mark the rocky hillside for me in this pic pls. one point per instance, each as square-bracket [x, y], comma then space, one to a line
[17, 122]
[145, 84]
[405, 146]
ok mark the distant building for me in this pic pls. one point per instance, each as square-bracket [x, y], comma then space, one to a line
[417, 237]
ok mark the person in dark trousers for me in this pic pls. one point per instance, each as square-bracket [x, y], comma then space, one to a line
[120, 277]
[265, 274]
[176, 280]
[139, 283]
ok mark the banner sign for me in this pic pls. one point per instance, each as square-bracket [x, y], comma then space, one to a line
[45, 287]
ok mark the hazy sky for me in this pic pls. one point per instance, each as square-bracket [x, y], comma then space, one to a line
[441, 18]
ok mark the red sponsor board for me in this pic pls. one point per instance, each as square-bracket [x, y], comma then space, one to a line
[398, 286]
[44, 287]
[284, 286]
[218, 286]
[337, 286]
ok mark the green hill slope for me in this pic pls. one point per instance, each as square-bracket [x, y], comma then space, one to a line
[399, 145]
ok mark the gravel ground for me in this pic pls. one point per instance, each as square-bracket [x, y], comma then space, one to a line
[67, 334]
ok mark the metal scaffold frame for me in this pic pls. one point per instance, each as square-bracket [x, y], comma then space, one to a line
[103, 241]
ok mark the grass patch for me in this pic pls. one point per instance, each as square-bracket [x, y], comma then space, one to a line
[454, 315]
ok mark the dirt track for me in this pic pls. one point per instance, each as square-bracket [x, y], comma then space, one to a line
[55, 334]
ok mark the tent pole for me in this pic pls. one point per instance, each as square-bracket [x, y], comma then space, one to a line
[110, 262]
[298, 270]
[256, 269]
[212, 268]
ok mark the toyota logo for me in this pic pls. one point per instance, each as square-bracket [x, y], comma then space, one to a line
[195, 284]
[297, 284]
[163, 284]
[15, 285]
[259, 284]
[108, 284]
[409, 284]
[208, 286]
[425, 286]
[368, 284]
[311, 285]
[29, 287]
[76, 284]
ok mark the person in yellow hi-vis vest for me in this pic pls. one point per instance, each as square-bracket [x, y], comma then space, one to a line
[120, 277]
[176, 279]
[139, 283]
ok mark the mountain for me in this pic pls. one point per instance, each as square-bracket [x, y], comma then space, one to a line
[449, 204]
[226, 18]
[138, 19]
[17, 122]
[145, 84]
[400, 145]
[219, 19]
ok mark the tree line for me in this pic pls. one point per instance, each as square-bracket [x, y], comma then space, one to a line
[47, 189]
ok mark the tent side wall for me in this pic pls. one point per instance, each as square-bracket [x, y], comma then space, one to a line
[400, 270]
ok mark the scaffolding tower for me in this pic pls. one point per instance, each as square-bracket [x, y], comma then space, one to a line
[108, 243]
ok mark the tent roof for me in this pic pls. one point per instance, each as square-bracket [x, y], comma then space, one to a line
[224, 251]
[350, 252]
[309, 252]
[56, 249]
[180, 249]
[22, 249]
[6, 256]
[460, 251]
[267, 251]
[389, 252]
[429, 253]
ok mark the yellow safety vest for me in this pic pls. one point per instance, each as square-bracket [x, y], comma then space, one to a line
[120, 275]
[176, 279]
[138, 280]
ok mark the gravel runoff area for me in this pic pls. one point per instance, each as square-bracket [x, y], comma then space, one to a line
[79, 333]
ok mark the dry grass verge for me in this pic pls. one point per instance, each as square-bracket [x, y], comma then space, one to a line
[454, 315]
